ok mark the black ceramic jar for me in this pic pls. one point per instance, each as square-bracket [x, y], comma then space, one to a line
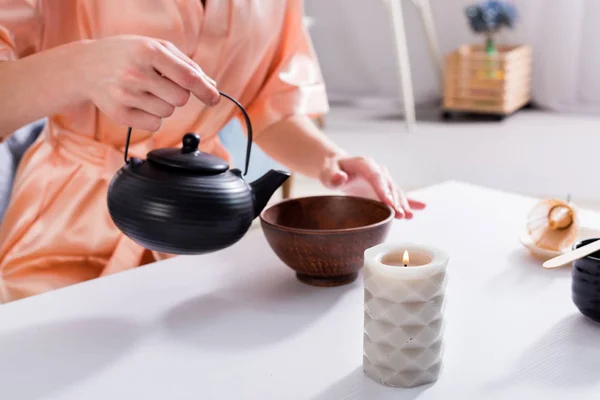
[586, 283]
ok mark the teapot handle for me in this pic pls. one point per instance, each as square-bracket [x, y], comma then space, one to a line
[248, 127]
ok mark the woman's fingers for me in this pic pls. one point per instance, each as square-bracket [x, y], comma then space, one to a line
[380, 182]
[392, 189]
[149, 103]
[137, 80]
[167, 90]
[416, 205]
[173, 49]
[400, 200]
[184, 75]
[361, 167]
[137, 119]
[404, 202]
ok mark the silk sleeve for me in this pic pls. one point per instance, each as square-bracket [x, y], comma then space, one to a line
[21, 27]
[294, 85]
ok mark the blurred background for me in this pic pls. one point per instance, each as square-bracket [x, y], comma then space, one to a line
[546, 150]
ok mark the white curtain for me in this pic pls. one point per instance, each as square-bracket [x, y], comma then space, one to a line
[354, 44]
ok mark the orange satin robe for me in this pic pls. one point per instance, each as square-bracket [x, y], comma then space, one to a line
[57, 230]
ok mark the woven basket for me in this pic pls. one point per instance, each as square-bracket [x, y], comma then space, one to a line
[477, 82]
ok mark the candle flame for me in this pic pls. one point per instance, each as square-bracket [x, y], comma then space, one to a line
[405, 258]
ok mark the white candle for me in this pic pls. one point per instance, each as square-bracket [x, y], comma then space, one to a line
[404, 302]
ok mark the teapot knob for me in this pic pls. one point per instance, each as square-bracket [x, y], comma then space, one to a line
[135, 162]
[191, 141]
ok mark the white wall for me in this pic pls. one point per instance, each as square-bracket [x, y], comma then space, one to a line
[353, 39]
[354, 42]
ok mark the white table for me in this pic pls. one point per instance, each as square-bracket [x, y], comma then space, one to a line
[235, 326]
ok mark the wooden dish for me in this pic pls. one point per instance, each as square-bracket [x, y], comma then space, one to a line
[545, 254]
[323, 238]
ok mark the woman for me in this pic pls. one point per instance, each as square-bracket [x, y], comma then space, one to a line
[95, 67]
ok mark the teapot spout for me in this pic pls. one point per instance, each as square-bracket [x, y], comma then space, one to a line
[264, 187]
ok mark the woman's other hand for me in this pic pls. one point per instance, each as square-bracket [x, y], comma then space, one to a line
[138, 81]
[363, 177]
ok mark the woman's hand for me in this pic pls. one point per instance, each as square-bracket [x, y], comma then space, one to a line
[297, 143]
[138, 81]
[361, 176]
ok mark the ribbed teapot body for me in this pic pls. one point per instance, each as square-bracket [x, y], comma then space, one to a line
[180, 213]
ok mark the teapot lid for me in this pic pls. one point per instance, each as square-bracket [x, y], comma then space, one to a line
[189, 158]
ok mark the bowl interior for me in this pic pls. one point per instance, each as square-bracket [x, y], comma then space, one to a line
[327, 213]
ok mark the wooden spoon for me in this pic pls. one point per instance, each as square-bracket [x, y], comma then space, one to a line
[572, 255]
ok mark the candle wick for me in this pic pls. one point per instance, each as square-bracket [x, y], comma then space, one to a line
[405, 265]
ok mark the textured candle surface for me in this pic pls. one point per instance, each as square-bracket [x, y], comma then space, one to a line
[403, 325]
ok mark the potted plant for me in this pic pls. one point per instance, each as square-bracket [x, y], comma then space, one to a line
[488, 78]
[489, 17]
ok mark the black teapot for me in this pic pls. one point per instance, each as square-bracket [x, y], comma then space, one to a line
[184, 201]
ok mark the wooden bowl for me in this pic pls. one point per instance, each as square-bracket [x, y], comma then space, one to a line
[323, 238]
